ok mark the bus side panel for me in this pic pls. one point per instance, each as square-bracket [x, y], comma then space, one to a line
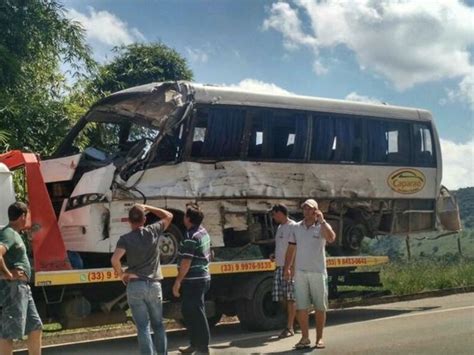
[269, 180]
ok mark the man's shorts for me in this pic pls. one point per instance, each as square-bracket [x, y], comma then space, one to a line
[282, 290]
[18, 314]
[311, 288]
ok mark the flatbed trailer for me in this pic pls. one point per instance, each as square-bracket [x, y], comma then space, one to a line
[242, 288]
[99, 275]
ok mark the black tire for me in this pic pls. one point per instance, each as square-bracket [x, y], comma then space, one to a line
[169, 244]
[260, 312]
[352, 236]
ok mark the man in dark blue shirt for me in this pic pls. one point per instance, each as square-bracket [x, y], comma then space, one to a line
[193, 280]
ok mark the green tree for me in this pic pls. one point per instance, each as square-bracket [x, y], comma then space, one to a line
[465, 197]
[36, 38]
[4, 135]
[138, 64]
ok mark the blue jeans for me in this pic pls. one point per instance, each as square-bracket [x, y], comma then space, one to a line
[145, 301]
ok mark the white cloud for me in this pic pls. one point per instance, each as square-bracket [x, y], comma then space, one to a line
[319, 68]
[291, 26]
[464, 92]
[197, 55]
[354, 96]
[408, 42]
[458, 164]
[260, 86]
[105, 30]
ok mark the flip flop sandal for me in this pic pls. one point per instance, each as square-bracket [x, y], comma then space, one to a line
[303, 344]
[286, 333]
[320, 345]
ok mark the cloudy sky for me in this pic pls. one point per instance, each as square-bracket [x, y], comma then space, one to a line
[417, 53]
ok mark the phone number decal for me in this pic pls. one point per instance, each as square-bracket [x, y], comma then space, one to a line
[246, 266]
[346, 262]
[98, 276]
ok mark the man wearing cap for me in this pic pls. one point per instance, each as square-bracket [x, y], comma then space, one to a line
[18, 314]
[283, 290]
[306, 249]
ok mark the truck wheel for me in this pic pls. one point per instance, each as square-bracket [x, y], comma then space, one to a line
[260, 312]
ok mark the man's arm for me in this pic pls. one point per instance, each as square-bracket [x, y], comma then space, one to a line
[275, 239]
[3, 267]
[327, 232]
[165, 216]
[187, 251]
[289, 260]
[326, 229]
[184, 267]
[116, 264]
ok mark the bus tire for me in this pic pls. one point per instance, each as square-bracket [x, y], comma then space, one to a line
[352, 236]
[260, 312]
[169, 240]
[169, 244]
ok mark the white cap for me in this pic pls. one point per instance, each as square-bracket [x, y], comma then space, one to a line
[310, 203]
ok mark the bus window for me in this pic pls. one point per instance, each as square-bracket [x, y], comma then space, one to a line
[388, 142]
[105, 136]
[260, 134]
[423, 145]
[199, 133]
[276, 135]
[170, 146]
[289, 134]
[337, 139]
[218, 134]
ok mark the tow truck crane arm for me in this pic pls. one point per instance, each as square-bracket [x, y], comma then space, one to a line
[49, 252]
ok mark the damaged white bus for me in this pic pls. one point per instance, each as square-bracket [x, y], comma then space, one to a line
[375, 169]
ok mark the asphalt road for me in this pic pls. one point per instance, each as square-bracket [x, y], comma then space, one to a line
[443, 325]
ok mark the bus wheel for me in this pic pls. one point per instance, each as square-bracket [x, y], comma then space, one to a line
[353, 234]
[169, 243]
[260, 312]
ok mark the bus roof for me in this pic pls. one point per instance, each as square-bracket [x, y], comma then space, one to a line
[222, 95]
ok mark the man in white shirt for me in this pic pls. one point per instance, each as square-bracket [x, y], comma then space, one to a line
[283, 290]
[306, 249]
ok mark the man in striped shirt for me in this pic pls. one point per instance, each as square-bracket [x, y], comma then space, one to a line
[193, 280]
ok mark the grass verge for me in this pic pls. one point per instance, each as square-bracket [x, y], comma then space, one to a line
[407, 277]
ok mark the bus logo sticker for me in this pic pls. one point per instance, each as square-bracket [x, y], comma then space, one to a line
[406, 181]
